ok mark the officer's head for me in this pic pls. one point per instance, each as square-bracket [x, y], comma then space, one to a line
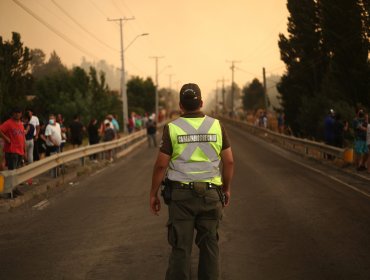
[190, 98]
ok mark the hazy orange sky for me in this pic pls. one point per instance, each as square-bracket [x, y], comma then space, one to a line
[196, 37]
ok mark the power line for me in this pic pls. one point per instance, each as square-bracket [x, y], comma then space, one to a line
[119, 8]
[268, 38]
[127, 7]
[245, 71]
[50, 11]
[58, 33]
[99, 9]
[81, 26]
[139, 27]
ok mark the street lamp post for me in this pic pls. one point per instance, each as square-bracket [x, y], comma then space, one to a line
[156, 84]
[123, 78]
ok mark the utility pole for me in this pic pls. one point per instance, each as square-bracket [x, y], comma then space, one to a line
[123, 78]
[232, 84]
[264, 87]
[217, 102]
[223, 95]
[170, 81]
[156, 86]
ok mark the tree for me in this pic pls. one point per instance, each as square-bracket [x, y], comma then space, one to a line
[37, 60]
[141, 95]
[345, 37]
[52, 66]
[253, 96]
[327, 60]
[72, 92]
[15, 81]
[302, 53]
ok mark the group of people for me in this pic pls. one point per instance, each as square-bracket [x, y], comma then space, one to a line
[261, 119]
[336, 133]
[25, 139]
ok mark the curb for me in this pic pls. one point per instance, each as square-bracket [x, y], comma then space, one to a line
[7, 204]
[35, 191]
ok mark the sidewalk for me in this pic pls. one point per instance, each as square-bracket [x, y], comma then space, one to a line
[43, 183]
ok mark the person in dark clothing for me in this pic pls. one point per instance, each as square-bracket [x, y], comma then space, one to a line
[76, 130]
[338, 131]
[109, 135]
[41, 141]
[329, 128]
[151, 130]
[93, 133]
[29, 130]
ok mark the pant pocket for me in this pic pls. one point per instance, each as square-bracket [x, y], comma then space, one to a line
[171, 234]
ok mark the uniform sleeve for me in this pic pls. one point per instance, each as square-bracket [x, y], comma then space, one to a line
[166, 144]
[225, 138]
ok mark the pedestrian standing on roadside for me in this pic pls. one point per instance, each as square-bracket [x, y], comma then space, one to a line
[12, 131]
[53, 136]
[115, 124]
[93, 134]
[76, 130]
[281, 123]
[109, 135]
[41, 141]
[63, 131]
[361, 149]
[29, 131]
[192, 148]
[34, 120]
[329, 122]
[339, 130]
[151, 131]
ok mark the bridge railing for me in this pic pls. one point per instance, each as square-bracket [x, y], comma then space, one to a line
[9, 179]
[303, 146]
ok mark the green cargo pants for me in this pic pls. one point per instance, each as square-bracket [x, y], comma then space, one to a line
[188, 211]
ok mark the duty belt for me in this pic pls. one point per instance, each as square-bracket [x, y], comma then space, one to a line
[193, 185]
[199, 187]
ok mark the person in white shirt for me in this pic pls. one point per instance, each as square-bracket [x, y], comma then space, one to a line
[53, 136]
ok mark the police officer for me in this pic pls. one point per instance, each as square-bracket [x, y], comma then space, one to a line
[191, 151]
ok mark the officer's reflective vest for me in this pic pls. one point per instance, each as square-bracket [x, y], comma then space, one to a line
[197, 144]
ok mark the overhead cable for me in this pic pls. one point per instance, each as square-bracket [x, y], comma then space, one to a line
[51, 28]
[81, 26]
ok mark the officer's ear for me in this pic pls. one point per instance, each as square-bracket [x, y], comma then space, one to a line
[181, 107]
[201, 104]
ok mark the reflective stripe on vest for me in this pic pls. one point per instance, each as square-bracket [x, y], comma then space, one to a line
[181, 169]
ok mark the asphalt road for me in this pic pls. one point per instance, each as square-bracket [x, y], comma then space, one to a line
[285, 221]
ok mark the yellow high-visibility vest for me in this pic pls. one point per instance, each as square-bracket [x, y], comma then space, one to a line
[197, 144]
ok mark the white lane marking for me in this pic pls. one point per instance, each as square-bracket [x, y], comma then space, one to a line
[319, 171]
[99, 171]
[331, 177]
[41, 205]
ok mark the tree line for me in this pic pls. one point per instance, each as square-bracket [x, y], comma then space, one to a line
[326, 53]
[28, 80]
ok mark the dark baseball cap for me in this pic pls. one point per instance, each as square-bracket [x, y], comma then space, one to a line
[190, 96]
[16, 110]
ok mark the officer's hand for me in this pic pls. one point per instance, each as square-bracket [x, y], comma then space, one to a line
[227, 198]
[155, 205]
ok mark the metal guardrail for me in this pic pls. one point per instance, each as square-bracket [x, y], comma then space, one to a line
[9, 179]
[303, 146]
